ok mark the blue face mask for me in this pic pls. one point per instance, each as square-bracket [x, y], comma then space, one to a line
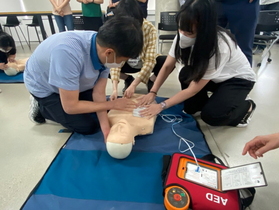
[114, 64]
[186, 41]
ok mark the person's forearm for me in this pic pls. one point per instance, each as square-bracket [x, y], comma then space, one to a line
[65, 2]
[102, 115]
[162, 76]
[187, 93]
[115, 4]
[82, 107]
[143, 1]
[54, 4]
[136, 82]
[115, 85]
[179, 97]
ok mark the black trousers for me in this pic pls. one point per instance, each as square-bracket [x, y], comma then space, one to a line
[51, 108]
[92, 23]
[160, 60]
[226, 105]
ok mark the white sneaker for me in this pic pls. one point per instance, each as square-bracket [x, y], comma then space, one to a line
[247, 118]
[34, 112]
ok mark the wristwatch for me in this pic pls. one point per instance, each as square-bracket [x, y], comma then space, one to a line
[163, 105]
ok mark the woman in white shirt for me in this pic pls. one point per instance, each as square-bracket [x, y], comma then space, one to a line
[212, 62]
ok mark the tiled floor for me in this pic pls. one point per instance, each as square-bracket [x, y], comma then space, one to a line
[27, 150]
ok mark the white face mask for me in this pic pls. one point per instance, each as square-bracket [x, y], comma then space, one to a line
[5, 51]
[114, 64]
[186, 41]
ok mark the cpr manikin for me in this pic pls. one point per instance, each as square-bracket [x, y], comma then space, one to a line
[124, 127]
[13, 68]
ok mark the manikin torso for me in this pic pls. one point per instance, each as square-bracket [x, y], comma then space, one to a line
[124, 127]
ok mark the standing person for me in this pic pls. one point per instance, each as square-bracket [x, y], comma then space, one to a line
[211, 63]
[92, 14]
[67, 75]
[143, 4]
[241, 17]
[261, 144]
[265, 5]
[146, 62]
[63, 14]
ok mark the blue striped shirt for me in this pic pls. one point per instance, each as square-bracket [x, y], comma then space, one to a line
[66, 60]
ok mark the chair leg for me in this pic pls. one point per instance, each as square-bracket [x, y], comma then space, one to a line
[10, 31]
[28, 37]
[37, 34]
[19, 38]
[24, 36]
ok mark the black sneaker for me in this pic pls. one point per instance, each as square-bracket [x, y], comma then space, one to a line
[149, 85]
[128, 82]
[247, 118]
[34, 112]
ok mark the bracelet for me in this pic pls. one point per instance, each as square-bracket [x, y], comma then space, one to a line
[163, 105]
[153, 92]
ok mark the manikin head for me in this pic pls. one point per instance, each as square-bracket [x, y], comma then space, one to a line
[120, 140]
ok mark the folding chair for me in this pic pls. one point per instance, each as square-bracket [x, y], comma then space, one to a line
[13, 22]
[35, 24]
[268, 23]
[78, 22]
[167, 23]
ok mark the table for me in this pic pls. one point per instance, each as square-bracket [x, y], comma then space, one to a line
[39, 15]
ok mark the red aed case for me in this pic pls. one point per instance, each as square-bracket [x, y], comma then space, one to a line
[201, 197]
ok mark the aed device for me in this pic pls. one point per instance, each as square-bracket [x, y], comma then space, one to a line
[208, 185]
[176, 198]
[221, 179]
[202, 174]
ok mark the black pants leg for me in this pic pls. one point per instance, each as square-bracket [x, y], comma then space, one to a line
[160, 60]
[51, 108]
[227, 104]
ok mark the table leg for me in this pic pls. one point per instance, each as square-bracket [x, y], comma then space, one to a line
[51, 24]
[40, 21]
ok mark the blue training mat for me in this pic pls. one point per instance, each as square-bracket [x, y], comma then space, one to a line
[11, 79]
[84, 176]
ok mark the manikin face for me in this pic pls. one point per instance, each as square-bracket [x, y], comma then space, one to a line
[121, 132]
[120, 140]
